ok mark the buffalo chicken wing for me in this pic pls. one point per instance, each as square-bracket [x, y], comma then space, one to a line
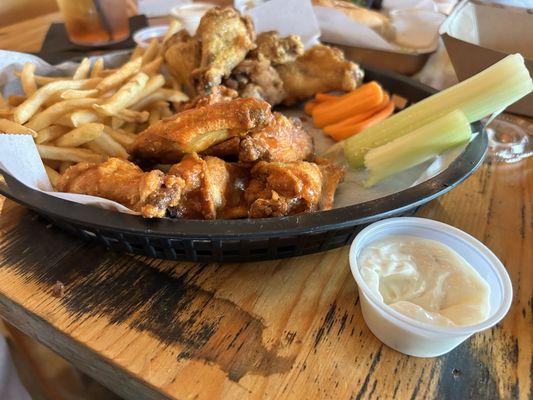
[199, 128]
[279, 189]
[149, 193]
[282, 140]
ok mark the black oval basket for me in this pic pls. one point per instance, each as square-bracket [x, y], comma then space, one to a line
[251, 239]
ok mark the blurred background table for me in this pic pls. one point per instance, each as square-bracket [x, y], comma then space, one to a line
[279, 329]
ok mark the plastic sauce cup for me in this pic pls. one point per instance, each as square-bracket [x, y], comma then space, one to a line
[413, 337]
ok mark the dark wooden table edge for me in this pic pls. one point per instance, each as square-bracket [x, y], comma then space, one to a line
[102, 370]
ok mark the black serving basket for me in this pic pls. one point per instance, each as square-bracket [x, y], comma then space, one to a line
[251, 239]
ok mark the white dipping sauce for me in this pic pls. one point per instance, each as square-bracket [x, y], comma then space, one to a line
[425, 280]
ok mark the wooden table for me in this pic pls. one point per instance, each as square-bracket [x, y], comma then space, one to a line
[279, 329]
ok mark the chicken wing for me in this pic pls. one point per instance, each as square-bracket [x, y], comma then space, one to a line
[149, 193]
[197, 129]
[182, 54]
[279, 189]
[281, 140]
[277, 50]
[226, 37]
[259, 79]
[319, 69]
[213, 188]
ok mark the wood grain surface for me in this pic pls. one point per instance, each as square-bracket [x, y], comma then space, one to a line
[279, 329]
[287, 329]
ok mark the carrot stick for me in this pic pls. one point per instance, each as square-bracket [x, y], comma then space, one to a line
[320, 97]
[344, 132]
[350, 97]
[343, 110]
[361, 117]
[310, 106]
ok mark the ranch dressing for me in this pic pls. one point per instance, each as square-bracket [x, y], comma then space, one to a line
[425, 280]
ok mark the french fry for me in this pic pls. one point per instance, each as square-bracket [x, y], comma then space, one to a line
[173, 28]
[78, 94]
[116, 122]
[45, 80]
[107, 72]
[81, 117]
[137, 52]
[153, 66]
[150, 52]
[53, 113]
[174, 84]
[154, 83]
[165, 111]
[83, 69]
[121, 136]
[6, 112]
[8, 126]
[83, 134]
[122, 98]
[67, 154]
[64, 166]
[27, 78]
[111, 146]
[155, 115]
[15, 100]
[3, 102]
[134, 116]
[53, 175]
[54, 164]
[127, 70]
[161, 94]
[98, 66]
[130, 127]
[65, 121]
[174, 95]
[50, 133]
[30, 106]
[96, 149]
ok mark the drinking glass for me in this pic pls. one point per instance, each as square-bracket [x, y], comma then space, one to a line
[510, 139]
[95, 22]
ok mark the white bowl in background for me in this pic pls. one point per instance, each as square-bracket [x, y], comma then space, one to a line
[144, 36]
[190, 14]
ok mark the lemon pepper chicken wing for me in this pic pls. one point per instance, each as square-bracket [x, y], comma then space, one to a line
[319, 69]
[277, 50]
[149, 193]
[259, 79]
[197, 129]
[226, 37]
[182, 54]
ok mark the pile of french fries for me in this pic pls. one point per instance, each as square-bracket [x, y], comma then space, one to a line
[96, 112]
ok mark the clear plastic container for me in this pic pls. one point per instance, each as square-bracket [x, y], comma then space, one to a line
[416, 338]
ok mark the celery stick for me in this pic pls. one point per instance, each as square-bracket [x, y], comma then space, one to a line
[417, 146]
[487, 92]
